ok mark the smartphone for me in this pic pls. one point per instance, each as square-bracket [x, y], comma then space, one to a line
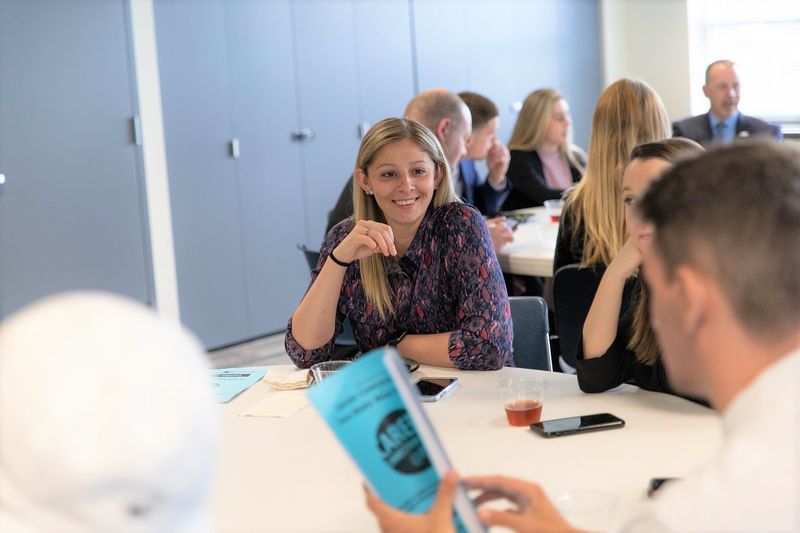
[515, 215]
[656, 483]
[434, 389]
[577, 424]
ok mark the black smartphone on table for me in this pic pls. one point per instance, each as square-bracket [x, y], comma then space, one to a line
[434, 389]
[577, 424]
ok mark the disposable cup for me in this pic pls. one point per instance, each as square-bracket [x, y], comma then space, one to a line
[522, 399]
[322, 371]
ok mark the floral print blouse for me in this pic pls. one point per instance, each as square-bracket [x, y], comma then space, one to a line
[449, 280]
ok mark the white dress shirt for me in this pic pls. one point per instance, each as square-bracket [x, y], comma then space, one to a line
[752, 484]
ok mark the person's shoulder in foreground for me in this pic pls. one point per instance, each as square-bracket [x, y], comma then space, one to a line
[752, 477]
[726, 310]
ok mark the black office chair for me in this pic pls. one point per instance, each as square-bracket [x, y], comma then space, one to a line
[573, 291]
[345, 346]
[312, 256]
[531, 332]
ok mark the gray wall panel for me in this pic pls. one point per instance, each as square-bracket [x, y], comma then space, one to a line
[71, 212]
[385, 65]
[204, 192]
[326, 74]
[505, 49]
[265, 112]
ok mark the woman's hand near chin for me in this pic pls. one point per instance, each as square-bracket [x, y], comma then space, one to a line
[627, 260]
[366, 238]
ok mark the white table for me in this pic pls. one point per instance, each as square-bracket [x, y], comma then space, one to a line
[534, 246]
[292, 475]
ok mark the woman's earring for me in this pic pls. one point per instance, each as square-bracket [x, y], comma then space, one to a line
[370, 193]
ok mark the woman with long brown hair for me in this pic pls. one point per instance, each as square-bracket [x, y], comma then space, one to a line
[618, 344]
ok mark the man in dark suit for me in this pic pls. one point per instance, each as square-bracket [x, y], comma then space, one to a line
[723, 122]
[486, 194]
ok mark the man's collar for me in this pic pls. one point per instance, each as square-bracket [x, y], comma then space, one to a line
[730, 121]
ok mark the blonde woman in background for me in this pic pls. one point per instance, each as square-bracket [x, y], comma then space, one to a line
[618, 343]
[414, 267]
[544, 162]
[592, 230]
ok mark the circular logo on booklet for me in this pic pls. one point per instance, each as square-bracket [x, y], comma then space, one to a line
[400, 444]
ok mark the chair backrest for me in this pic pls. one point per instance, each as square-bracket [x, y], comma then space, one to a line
[531, 332]
[312, 256]
[573, 291]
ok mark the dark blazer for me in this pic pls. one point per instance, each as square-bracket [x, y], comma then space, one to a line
[343, 207]
[528, 183]
[698, 128]
[478, 191]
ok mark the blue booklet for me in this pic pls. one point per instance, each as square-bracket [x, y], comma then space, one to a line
[231, 382]
[375, 412]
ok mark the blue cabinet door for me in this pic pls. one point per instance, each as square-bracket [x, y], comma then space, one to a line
[354, 67]
[72, 209]
[328, 93]
[204, 189]
[384, 59]
[269, 167]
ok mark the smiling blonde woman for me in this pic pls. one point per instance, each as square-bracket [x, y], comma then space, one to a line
[413, 267]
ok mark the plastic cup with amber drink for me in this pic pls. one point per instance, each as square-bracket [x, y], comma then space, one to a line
[522, 399]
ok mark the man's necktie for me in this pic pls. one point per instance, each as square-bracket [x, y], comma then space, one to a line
[719, 131]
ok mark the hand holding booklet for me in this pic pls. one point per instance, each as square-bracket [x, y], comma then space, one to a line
[375, 412]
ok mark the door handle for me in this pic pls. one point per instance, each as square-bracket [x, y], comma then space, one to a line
[302, 135]
[2, 179]
[137, 130]
[235, 148]
[363, 128]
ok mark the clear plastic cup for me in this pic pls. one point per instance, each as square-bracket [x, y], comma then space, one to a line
[554, 208]
[522, 399]
[322, 371]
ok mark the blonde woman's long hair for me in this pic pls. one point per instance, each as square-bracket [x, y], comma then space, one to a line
[388, 131]
[629, 112]
[643, 339]
[532, 122]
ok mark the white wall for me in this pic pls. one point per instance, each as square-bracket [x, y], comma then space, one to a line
[649, 40]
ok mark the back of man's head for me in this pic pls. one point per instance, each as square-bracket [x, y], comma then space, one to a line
[108, 419]
[481, 108]
[734, 213]
[431, 106]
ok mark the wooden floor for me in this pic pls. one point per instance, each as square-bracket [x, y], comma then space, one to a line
[259, 352]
